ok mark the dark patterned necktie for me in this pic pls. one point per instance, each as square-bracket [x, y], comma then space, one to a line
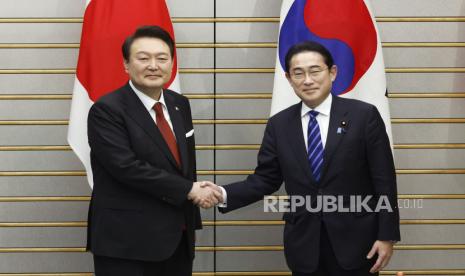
[315, 146]
[167, 133]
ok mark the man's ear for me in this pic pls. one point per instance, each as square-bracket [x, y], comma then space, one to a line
[126, 65]
[333, 72]
[288, 76]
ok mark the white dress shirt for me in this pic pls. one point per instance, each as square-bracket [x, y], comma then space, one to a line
[324, 110]
[149, 103]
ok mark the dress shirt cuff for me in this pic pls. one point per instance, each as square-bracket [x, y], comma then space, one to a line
[223, 204]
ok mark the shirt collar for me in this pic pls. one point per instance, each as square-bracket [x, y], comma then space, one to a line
[324, 108]
[146, 100]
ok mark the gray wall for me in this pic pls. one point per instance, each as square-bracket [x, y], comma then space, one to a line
[43, 193]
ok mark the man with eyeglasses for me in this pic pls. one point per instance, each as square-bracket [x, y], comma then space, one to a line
[326, 146]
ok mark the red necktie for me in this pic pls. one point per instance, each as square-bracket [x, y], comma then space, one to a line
[167, 133]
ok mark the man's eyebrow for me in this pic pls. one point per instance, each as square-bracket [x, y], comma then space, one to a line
[148, 53]
[311, 67]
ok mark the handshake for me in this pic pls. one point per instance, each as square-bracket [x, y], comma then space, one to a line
[205, 194]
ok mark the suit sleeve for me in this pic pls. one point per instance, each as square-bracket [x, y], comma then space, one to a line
[111, 147]
[190, 124]
[266, 179]
[198, 218]
[383, 175]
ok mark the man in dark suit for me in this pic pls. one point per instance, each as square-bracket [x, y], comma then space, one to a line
[142, 217]
[326, 146]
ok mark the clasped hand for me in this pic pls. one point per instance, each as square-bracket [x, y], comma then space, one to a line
[205, 194]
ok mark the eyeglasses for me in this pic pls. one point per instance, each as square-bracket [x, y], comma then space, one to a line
[313, 73]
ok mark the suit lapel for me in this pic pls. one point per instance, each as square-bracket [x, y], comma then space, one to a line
[179, 129]
[297, 141]
[338, 115]
[137, 111]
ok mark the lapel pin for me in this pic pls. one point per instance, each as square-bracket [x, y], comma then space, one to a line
[177, 108]
[342, 128]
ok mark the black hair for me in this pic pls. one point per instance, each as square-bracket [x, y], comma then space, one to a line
[308, 46]
[147, 31]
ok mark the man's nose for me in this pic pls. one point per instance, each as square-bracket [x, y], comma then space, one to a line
[308, 79]
[152, 64]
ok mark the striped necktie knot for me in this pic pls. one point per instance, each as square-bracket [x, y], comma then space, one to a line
[313, 114]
